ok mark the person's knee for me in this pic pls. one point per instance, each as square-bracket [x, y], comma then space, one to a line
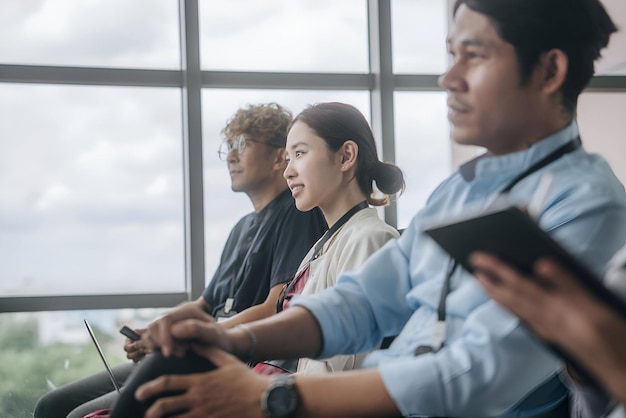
[46, 406]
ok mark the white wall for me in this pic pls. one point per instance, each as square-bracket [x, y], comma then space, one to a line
[602, 122]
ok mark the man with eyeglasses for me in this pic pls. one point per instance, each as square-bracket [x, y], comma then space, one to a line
[263, 250]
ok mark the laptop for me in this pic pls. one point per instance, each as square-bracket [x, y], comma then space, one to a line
[104, 360]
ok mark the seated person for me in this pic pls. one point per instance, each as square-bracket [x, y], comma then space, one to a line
[261, 254]
[563, 313]
[516, 71]
[332, 165]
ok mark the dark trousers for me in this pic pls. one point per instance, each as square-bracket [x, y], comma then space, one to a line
[77, 399]
[153, 366]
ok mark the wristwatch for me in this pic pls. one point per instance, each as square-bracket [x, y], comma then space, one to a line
[280, 399]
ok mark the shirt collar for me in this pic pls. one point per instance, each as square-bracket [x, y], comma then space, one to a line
[517, 161]
[285, 194]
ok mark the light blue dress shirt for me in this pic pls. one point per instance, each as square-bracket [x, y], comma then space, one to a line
[490, 363]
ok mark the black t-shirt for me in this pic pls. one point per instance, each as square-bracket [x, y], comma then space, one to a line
[271, 245]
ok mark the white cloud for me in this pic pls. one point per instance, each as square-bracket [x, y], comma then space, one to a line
[53, 196]
[158, 187]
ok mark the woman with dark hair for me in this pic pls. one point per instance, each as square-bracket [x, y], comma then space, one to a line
[332, 164]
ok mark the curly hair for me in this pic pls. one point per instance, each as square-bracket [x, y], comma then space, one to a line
[264, 122]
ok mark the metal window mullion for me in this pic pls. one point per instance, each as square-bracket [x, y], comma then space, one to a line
[10, 73]
[192, 148]
[90, 302]
[381, 95]
[284, 81]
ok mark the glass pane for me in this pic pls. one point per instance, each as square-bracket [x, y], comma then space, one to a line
[92, 185]
[103, 33]
[419, 31]
[422, 148]
[601, 122]
[613, 61]
[222, 207]
[284, 35]
[44, 350]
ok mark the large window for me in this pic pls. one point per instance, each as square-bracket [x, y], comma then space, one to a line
[114, 203]
[92, 186]
[113, 33]
[422, 148]
[419, 30]
[284, 35]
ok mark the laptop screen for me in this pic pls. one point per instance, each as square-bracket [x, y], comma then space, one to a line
[104, 360]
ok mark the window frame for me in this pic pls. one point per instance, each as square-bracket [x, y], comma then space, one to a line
[381, 83]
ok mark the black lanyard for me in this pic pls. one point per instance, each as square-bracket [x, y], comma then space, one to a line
[440, 330]
[230, 300]
[330, 232]
[316, 252]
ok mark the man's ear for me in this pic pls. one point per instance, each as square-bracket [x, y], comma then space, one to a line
[280, 161]
[349, 152]
[553, 66]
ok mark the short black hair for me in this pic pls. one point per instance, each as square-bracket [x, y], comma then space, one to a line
[579, 28]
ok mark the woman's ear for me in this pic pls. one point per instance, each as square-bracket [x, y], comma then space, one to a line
[349, 152]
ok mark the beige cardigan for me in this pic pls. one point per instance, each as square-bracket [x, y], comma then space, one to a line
[347, 249]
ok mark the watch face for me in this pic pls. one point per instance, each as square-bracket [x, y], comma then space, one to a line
[282, 401]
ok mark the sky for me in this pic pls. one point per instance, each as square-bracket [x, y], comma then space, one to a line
[91, 177]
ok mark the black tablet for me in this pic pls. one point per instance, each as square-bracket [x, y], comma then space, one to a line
[512, 235]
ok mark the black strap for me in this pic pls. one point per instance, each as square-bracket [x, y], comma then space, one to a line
[570, 146]
[331, 231]
[284, 294]
[441, 310]
[231, 292]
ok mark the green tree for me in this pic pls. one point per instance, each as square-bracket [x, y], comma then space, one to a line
[28, 370]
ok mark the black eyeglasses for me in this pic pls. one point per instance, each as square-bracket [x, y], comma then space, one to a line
[238, 144]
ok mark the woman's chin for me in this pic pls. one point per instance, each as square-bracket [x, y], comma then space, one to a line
[303, 206]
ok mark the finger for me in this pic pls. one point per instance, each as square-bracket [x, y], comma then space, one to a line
[488, 263]
[167, 405]
[218, 356]
[160, 386]
[501, 273]
[159, 336]
[560, 277]
[192, 329]
[189, 311]
[512, 289]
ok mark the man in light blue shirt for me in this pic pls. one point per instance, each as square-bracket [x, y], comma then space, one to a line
[489, 361]
[517, 69]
